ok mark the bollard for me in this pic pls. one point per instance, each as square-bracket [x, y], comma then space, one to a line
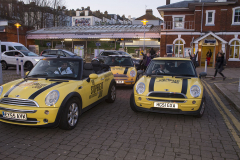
[205, 66]
[239, 86]
[17, 66]
[22, 69]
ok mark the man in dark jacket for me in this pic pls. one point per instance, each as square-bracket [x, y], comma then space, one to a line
[193, 57]
[152, 52]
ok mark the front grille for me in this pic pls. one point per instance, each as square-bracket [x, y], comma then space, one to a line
[19, 102]
[169, 101]
[166, 95]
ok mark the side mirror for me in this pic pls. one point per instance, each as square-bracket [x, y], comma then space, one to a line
[202, 74]
[140, 72]
[26, 73]
[93, 76]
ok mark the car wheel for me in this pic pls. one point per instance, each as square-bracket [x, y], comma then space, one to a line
[111, 93]
[132, 103]
[4, 65]
[202, 109]
[70, 114]
[29, 66]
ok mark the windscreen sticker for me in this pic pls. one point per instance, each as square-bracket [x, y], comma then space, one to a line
[168, 80]
[96, 90]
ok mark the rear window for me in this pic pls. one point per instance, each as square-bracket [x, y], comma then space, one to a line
[10, 53]
[3, 48]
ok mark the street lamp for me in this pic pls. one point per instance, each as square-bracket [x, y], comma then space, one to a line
[144, 24]
[17, 25]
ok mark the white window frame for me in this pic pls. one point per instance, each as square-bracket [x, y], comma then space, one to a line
[176, 16]
[234, 59]
[178, 45]
[233, 15]
[213, 18]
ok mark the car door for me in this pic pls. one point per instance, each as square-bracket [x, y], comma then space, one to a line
[10, 57]
[20, 57]
[6, 57]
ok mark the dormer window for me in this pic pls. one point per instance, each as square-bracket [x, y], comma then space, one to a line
[236, 16]
[210, 18]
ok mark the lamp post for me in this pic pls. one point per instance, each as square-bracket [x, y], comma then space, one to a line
[144, 24]
[17, 25]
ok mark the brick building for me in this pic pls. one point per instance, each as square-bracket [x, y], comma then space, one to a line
[201, 25]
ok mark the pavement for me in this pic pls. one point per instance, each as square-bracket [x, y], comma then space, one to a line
[230, 90]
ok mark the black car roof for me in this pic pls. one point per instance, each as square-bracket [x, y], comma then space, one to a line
[119, 56]
[62, 58]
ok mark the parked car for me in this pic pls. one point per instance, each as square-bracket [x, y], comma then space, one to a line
[55, 93]
[57, 52]
[122, 68]
[29, 59]
[169, 85]
[104, 54]
[8, 46]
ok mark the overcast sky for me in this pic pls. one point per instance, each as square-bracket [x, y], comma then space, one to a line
[135, 8]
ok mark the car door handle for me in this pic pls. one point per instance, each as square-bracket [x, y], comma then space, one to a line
[102, 79]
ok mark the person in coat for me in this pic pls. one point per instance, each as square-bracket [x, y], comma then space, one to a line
[193, 57]
[152, 52]
[219, 66]
[146, 60]
[208, 56]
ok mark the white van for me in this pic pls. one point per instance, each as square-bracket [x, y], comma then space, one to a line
[7, 46]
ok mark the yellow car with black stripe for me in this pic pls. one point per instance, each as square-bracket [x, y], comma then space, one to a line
[122, 68]
[55, 92]
[169, 85]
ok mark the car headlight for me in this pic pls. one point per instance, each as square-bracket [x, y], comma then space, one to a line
[37, 60]
[132, 73]
[140, 88]
[195, 91]
[1, 90]
[52, 98]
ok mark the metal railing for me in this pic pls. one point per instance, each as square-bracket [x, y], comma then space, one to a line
[176, 25]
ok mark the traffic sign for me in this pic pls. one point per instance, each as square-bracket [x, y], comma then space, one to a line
[98, 44]
[48, 44]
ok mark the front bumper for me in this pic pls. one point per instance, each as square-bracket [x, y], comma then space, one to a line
[35, 115]
[185, 107]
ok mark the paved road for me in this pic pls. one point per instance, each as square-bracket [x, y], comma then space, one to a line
[114, 131]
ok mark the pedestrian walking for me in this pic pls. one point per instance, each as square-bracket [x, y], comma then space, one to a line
[152, 52]
[219, 65]
[208, 56]
[193, 57]
[146, 60]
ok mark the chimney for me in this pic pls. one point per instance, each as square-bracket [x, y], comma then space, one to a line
[167, 2]
[149, 11]
[86, 12]
[82, 8]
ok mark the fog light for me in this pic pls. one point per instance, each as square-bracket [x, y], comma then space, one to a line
[193, 102]
[139, 98]
[45, 121]
[46, 112]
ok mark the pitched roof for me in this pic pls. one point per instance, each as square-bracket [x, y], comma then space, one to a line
[148, 17]
[184, 4]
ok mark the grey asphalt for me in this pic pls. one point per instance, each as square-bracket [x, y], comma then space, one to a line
[114, 131]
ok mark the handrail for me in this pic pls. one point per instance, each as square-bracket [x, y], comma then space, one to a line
[171, 25]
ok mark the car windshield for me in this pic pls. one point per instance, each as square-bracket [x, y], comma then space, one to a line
[28, 53]
[23, 48]
[171, 67]
[56, 69]
[118, 61]
[70, 53]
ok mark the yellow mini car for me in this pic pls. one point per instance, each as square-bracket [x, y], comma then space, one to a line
[55, 92]
[169, 85]
[122, 68]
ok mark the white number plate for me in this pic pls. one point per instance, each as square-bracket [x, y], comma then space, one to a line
[120, 82]
[165, 105]
[11, 115]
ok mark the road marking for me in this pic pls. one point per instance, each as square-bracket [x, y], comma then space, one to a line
[230, 127]
[234, 82]
[234, 120]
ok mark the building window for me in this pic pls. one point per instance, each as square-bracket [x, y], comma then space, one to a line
[210, 17]
[234, 50]
[178, 48]
[178, 21]
[236, 16]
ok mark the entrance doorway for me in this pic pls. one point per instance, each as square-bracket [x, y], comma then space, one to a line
[205, 49]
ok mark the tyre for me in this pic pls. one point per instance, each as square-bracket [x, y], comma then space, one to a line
[111, 93]
[29, 66]
[4, 65]
[70, 115]
[202, 108]
[132, 103]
